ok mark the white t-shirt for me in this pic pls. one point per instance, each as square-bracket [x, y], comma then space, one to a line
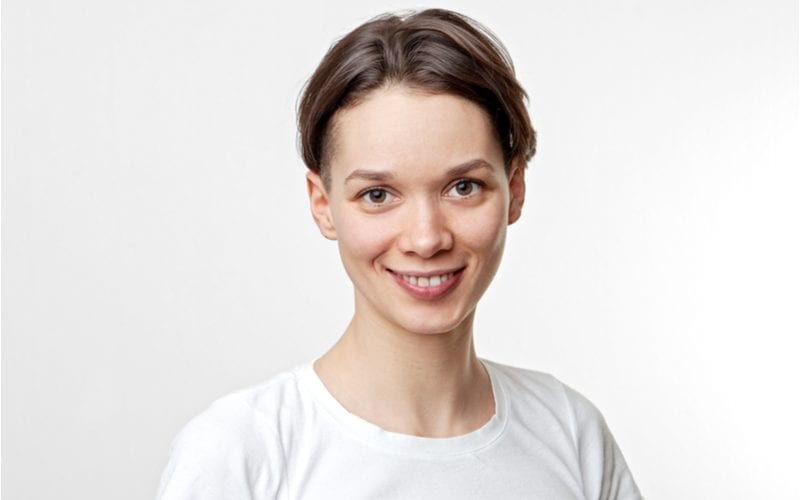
[288, 438]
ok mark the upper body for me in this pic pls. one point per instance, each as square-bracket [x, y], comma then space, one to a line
[288, 438]
[416, 137]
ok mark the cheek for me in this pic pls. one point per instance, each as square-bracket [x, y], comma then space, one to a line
[361, 237]
[484, 230]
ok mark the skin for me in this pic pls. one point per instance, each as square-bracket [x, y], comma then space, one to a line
[395, 204]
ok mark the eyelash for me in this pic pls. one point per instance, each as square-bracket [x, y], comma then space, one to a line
[365, 194]
[476, 184]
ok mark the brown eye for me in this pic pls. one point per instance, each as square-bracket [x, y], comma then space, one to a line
[464, 188]
[377, 196]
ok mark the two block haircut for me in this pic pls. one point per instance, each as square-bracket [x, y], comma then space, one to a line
[434, 50]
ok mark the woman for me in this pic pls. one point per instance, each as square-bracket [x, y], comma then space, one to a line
[416, 137]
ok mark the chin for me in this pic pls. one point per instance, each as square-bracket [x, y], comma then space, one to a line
[422, 325]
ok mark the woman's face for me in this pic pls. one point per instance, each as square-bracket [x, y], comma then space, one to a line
[419, 202]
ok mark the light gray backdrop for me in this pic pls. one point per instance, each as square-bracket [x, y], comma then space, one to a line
[158, 251]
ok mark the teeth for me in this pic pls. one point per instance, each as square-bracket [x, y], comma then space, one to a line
[425, 282]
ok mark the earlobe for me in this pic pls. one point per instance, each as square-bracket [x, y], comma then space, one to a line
[516, 189]
[320, 205]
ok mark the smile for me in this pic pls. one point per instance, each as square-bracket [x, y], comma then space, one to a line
[425, 282]
[428, 285]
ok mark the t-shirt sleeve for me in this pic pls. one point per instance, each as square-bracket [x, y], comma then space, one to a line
[228, 451]
[604, 472]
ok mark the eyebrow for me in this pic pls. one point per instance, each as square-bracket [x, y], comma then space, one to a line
[381, 176]
[468, 167]
[369, 175]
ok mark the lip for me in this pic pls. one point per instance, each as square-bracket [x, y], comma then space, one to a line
[429, 292]
[427, 274]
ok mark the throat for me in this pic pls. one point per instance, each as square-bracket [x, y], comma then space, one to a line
[398, 393]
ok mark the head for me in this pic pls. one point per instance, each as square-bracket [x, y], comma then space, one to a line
[416, 137]
[435, 51]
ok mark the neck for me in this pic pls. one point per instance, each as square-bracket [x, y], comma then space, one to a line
[429, 385]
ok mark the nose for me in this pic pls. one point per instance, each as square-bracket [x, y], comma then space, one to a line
[426, 230]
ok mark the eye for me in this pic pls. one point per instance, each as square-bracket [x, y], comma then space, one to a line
[377, 196]
[464, 188]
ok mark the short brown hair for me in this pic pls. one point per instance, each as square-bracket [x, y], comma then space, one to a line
[434, 50]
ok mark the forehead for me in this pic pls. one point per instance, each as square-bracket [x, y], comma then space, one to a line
[399, 128]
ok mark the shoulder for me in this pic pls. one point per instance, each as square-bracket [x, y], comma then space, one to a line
[233, 447]
[542, 396]
[249, 412]
[524, 384]
[526, 380]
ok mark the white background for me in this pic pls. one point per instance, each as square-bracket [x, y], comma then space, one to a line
[158, 250]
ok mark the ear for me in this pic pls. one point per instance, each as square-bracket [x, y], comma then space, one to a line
[516, 188]
[320, 205]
